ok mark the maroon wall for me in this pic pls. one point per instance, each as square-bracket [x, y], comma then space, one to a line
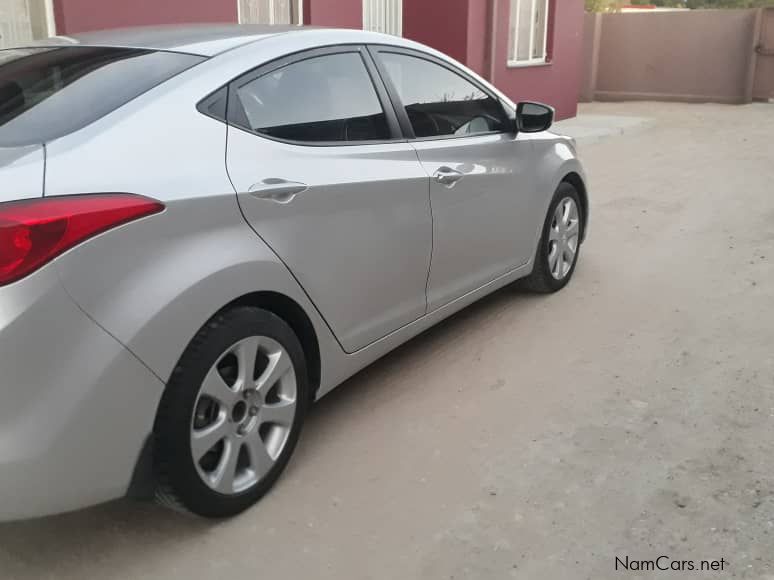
[556, 83]
[460, 28]
[338, 13]
[479, 45]
[81, 15]
[442, 24]
[463, 32]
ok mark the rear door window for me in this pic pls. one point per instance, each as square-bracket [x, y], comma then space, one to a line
[328, 98]
[46, 93]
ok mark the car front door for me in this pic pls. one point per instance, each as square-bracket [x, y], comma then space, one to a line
[481, 186]
[326, 179]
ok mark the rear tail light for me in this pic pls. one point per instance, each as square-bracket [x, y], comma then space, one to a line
[34, 232]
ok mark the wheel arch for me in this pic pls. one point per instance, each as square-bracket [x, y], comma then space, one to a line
[574, 179]
[294, 315]
[144, 479]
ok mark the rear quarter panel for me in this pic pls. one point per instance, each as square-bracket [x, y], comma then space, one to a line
[21, 172]
[155, 282]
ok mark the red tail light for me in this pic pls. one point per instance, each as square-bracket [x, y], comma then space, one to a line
[34, 232]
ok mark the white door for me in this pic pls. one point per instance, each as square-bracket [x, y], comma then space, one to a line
[383, 16]
[270, 11]
[24, 20]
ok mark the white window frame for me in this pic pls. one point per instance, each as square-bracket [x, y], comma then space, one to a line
[50, 18]
[19, 25]
[513, 42]
[298, 9]
[384, 16]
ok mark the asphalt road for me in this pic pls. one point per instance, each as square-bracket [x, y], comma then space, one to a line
[530, 437]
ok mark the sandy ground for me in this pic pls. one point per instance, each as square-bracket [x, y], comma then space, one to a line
[531, 437]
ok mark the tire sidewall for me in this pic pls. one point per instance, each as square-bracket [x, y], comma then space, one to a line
[173, 458]
[541, 267]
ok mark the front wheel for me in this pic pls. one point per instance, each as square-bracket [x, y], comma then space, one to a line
[231, 415]
[559, 246]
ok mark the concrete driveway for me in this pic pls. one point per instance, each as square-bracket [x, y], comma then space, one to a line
[531, 437]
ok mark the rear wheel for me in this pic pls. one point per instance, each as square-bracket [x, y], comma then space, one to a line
[231, 415]
[557, 252]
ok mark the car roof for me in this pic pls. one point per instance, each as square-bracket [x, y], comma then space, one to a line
[199, 39]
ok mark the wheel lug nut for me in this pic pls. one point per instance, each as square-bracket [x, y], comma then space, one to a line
[253, 411]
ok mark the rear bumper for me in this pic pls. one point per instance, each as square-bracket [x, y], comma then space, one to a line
[75, 405]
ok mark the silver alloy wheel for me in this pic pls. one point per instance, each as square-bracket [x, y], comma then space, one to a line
[243, 415]
[563, 238]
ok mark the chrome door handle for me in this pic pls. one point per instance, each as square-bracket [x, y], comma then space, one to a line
[448, 176]
[277, 189]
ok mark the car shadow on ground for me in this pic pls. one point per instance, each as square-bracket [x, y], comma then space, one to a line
[103, 532]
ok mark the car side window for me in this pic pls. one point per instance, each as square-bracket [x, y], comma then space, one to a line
[326, 98]
[440, 102]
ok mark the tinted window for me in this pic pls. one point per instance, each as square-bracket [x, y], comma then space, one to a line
[46, 93]
[325, 98]
[216, 104]
[440, 102]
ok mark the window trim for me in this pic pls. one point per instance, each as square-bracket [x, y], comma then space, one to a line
[397, 102]
[235, 109]
[204, 105]
[513, 43]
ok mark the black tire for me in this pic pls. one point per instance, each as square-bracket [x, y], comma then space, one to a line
[179, 484]
[541, 280]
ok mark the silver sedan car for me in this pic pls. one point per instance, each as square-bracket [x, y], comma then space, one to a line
[205, 229]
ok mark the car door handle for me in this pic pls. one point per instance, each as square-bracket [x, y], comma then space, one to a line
[448, 176]
[277, 189]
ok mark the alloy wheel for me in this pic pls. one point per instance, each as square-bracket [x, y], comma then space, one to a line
[243, 415]
[563, 238]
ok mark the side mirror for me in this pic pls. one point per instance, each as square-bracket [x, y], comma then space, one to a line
[534, 117]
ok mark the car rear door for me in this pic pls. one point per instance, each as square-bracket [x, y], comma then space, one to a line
[326, 179]
[481, 183]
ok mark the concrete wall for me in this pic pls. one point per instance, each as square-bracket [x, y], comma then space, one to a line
[82, 15]
[763, 88]
[590, 56]
[702, 55]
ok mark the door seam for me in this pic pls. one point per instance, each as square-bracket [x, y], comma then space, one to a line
[273, 251]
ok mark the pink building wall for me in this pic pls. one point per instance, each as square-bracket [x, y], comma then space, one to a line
[556, 83]
[460, 28]
[339, 13]
[467, 36]
[479, 48]
[442, 24]
[74, 16]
